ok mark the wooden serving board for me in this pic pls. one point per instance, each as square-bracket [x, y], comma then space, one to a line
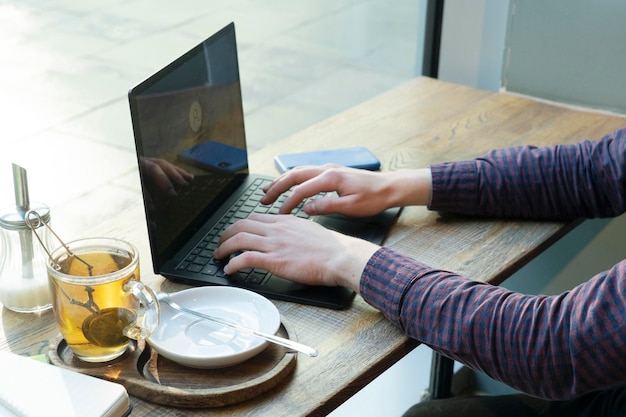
[151, 377]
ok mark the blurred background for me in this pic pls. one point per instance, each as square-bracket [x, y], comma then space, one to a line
[67, 67]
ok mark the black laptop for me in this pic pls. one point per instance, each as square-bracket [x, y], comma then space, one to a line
[188, 120]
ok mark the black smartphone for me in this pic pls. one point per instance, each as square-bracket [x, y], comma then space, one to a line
[356, 157]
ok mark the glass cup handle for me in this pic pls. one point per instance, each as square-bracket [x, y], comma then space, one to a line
[148, 311]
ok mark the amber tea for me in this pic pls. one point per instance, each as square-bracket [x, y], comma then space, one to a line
[95, 309]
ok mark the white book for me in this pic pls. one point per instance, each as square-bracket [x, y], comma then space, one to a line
[30, 388]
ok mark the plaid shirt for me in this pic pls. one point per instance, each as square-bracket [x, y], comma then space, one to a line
[553, 347]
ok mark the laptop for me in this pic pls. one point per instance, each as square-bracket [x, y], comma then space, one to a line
[188, 120]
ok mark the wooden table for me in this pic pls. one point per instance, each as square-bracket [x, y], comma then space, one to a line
[421, 122]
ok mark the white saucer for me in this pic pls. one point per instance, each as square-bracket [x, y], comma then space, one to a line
[197, 343]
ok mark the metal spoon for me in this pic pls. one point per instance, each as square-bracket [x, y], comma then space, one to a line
[165, 298]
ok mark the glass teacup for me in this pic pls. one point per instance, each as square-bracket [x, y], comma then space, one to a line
[98, 299]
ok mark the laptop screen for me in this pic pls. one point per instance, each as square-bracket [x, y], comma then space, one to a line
[190, 139]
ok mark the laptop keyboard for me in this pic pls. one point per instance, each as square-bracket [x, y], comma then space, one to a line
[200, 259]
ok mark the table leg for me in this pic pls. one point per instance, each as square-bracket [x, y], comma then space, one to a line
[441, 372]
[442, 368]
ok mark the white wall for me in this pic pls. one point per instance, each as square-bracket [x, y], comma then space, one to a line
[473, 42]
[571, 51]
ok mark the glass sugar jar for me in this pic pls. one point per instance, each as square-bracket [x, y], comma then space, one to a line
[23, 278]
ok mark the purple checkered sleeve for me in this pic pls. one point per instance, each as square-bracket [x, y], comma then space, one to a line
[550, 346]
[587, 179]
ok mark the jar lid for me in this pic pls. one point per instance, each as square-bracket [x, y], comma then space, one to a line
[11, 218]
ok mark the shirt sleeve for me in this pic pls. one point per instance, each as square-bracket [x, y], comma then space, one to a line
[548, 346]
[587, 179]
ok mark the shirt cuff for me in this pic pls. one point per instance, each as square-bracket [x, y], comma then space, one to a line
[454, 187]
[386, 279]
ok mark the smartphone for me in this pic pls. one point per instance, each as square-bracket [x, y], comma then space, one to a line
[216, 156]
[356, 157]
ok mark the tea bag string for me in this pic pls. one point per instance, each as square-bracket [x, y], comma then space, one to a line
[38, 222]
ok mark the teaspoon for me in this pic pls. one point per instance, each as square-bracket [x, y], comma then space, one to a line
[165, 297]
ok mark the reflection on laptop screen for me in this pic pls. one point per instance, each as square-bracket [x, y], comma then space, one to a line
[188, 119]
